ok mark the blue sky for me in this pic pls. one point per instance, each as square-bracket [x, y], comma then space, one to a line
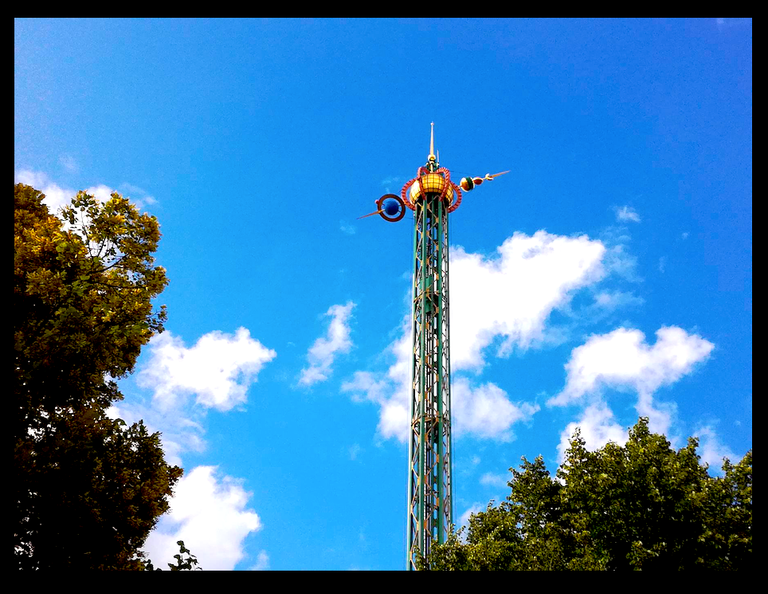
[608, 275]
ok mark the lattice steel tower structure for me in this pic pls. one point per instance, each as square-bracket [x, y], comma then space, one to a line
[432, 196]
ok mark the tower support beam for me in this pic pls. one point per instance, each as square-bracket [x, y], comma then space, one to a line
[430, 497]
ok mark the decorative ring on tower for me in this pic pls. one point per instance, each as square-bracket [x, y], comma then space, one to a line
[391, 208]
[438, 181]
[456, 190]
[446, 185]
[457, 200]
[404, 193]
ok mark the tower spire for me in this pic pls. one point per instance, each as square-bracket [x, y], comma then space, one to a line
[432, 142]
[432, 164]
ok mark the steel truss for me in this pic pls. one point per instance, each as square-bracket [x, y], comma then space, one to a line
[430, 498]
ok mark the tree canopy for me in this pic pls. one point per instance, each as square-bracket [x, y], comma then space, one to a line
[87, 488]
[638, 506]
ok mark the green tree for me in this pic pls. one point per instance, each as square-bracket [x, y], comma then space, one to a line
[638, 506]
[87, 488]
[183, 563]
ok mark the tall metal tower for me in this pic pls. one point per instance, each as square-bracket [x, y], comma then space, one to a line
[432, 196]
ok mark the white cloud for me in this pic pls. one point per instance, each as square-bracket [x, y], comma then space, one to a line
[660, 414]
[627, 213]
[622, 359]
[208, 510]
[391, 391]
[36, 179]
[395, 419]
[512, 295]
[392, 399]
[218, 370]
[366, 385]
[55, 196]
[322, 354]
[508, 296]
[476, 508]
[180, 431]
[712, 450]
[209, 513]
[101, 192]
[486, 411]
[598, 426]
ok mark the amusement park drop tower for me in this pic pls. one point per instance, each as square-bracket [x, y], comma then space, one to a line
[432, 196]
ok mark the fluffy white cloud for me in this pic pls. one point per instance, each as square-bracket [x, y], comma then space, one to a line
[218, 370]
[622, 359]
[486, 411]
[323, 352]
[102, 193]
[391, 397]
[511, 295]
[598, 426]
[391, 391]
[55, 196]
[209, 513]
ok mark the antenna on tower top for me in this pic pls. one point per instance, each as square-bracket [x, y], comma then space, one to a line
[432, 142]
[432, 161]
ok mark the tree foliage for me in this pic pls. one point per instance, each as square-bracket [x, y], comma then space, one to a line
[87, 488]
[185, 560]
[640, 506]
